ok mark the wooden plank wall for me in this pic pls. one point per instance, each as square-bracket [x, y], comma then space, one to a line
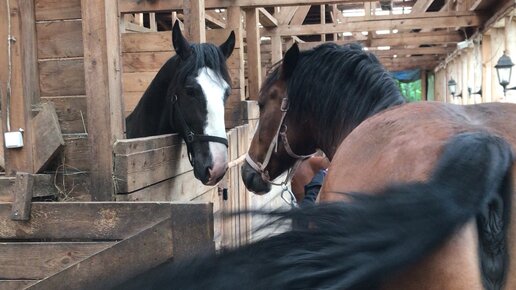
[93, 245]
[61, 77]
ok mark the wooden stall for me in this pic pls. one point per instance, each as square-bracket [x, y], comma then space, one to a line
[96, 245]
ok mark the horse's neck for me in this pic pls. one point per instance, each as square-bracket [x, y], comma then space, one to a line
[152, 114]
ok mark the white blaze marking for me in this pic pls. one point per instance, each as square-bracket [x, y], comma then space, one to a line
[214, 88]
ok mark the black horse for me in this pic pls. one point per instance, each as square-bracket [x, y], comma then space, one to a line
[362, 243]
[187, 97]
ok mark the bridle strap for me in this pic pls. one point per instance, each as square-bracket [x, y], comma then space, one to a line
[189, 136]
[282, 131]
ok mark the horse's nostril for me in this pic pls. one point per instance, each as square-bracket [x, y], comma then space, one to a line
[209, 172]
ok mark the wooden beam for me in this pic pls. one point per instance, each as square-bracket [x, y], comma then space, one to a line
[401, 39]
[424, 96]
[401, 52]
[133, 6]
[285, 15]
[421, 6]
[103, 91]
[215, 18]
[22, 196]
[379, 23]
[266, 19]
[24, 82]
[323, 20]
[253, 53]
[300, 15]
[194, 20]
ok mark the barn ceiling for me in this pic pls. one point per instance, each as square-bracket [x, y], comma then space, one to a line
[403, 33]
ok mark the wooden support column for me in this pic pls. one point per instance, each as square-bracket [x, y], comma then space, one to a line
[21, 76]
[323, 20]
[234, 22]
[464, 77]
[254, 64]
[486, 68]
[100, 32]
[194, 20]
[276, 48]
[424, 96]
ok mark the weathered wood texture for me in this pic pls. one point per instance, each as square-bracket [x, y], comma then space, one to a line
[129, 238]
[43, 187]
[46, 136]
[24, 185]
[32, 260]
[100, 30]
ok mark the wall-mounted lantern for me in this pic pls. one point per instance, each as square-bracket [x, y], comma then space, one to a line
[452, 86]
[504, 71]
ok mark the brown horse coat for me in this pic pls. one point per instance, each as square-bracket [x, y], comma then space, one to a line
[403, 145]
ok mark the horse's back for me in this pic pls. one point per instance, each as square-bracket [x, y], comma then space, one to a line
[403, 144]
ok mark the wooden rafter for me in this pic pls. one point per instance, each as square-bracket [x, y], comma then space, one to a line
[452, 19]
[133, 6]
[266, 19]
[215, 18]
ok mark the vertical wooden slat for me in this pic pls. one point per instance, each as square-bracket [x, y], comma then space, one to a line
[254, 64]
[103, 90]
[194, 20]
[323, 20]
[424, 96]
[24, 81]
[486, 68]
[22, 196]
[276, 47]
[3, 74]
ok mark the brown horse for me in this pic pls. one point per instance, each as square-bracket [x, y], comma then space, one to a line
[319, 98]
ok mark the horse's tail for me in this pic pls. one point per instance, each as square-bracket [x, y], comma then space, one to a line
[356, 244]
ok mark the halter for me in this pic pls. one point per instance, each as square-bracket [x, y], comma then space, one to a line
[260, 167]
[188, 135]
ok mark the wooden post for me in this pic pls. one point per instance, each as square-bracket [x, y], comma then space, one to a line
[486, 68]
[24, 186]
[101, 39]
[254, 64]
[323, 20]
[195, 24]
[234, 22]
[276, 48]
[20, 73]
[464, 77]
[424, 96]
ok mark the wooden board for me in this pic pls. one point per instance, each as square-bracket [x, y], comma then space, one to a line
[30, 260]
[22, 192]
[102, 64]
[60, 39]
[78, 220]
[145, 250]
[57, 9]
[183, 187]
[63, 77]
[43, 187]
[186, 231]
[144, 168]
[46, 136]
[71, 113]
[162, 41]
[15, 284]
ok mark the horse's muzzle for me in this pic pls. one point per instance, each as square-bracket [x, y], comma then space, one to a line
[254, 181]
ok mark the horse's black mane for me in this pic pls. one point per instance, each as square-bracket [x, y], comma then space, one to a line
[150, 117]
[338, 82]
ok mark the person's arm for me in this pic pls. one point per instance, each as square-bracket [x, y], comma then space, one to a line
[313, 187]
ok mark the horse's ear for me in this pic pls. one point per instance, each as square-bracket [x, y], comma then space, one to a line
[181, 45]
[290, 61]
[228, 46]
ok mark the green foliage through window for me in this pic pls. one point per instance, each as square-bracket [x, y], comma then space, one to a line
[411, 91]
